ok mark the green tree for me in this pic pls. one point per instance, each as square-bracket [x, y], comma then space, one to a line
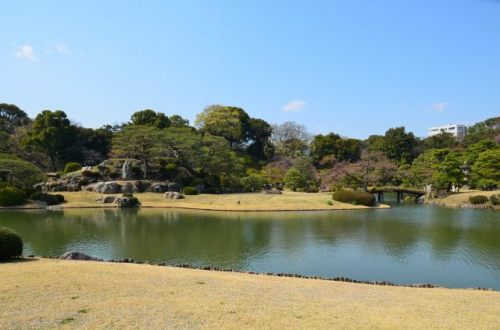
[294, 179]
[375, 143]
[259, 132]
[438, 167]
[399, 145]
[11, 116]
[141, 142]
[252, 182]
[486, 170]
[231, 123]
[290, 139]
[484, 130]
[53, 134]
[178, 122]
[149, 117]
[440, 141]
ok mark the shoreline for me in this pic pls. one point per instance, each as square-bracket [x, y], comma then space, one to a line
[341, 279]
[461, 200]
[48, 293]
[98, 207]
[244, 202]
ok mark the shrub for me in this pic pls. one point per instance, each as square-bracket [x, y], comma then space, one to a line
[329, 202]
[355, 197]
[49, 199]
[24, 174]
[294, 179]
[11, 244]
[72, 167]
[190, 191]
[253, 182]
[495, 199]
[479, 199]
[10, 196]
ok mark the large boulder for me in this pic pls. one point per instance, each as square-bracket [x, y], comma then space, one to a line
[173, 195]
[75, 255]
[127, 202]
[159, 187]
[108, 187]
[128, 188]
[108, 199]
[127, 170]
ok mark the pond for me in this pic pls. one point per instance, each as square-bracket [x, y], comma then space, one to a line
[405, 245]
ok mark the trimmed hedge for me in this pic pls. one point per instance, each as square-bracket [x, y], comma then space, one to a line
[479, 199]
[11, 196]
[24, 174]
[495, 199]
[190, 191]
[11, 244]
[72, 167]
[49, 199]
[355, 197]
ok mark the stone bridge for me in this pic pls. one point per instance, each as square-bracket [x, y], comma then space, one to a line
[400, 191]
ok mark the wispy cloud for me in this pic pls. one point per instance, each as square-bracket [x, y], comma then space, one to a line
[62, 48]
[26, 52]
[294, 106]
[440, 106]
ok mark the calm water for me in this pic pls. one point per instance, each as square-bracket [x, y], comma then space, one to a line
[406, 245]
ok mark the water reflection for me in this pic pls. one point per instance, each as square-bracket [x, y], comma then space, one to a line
[407, 244]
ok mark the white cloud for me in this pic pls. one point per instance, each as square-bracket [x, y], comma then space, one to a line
[26, 52]
[440, 106]
[62, 48]
[294, 106]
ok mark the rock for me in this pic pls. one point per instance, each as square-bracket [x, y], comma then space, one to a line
[159, 187]
[140, 186]
[109, 187]
[108, 199]
[128, 188]
[127, 170]
[53, 175]
[75, 255]
[173, 186]
[127, 202]
[172, 195]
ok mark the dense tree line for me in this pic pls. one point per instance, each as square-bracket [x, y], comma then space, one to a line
[228, 150]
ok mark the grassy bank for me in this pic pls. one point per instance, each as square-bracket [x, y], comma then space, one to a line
[288, 201]
[460, 199]
[50, 293]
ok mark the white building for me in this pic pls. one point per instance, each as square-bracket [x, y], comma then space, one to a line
[458, 131]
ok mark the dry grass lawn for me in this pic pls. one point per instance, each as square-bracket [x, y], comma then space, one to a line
[463, 197]
[288, 201]
[55, 293]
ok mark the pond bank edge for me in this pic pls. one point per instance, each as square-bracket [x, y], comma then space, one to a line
[220, 269]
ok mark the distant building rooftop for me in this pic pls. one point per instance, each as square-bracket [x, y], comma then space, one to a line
[457, 130]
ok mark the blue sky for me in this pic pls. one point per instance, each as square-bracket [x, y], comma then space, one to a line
[352, 67]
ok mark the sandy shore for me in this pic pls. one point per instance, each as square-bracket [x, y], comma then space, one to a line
[50, 293]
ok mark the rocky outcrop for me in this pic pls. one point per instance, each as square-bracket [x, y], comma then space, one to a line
[159, 187]
[127, 170]
[173, 195]
[127, 202]
[75, 255]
